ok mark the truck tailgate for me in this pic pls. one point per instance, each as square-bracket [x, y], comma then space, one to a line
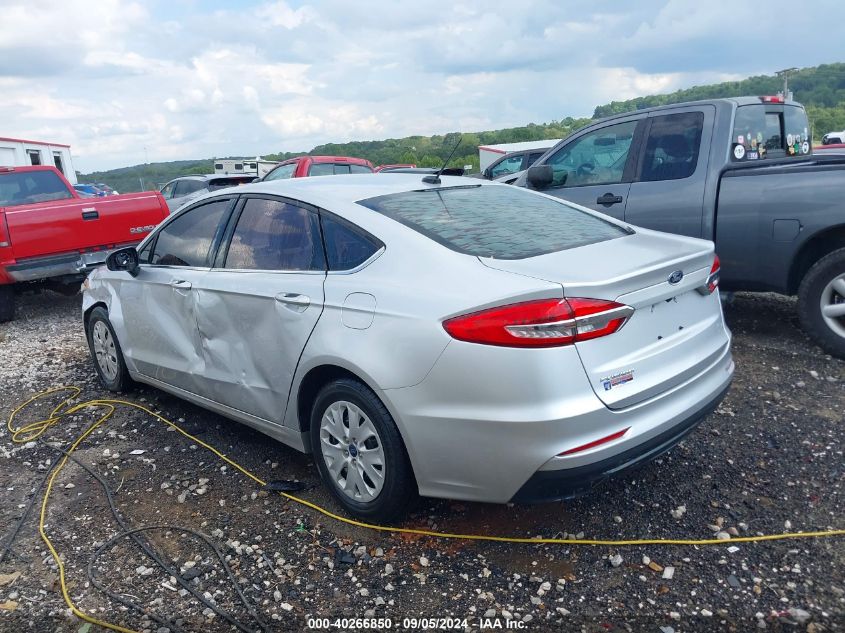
[76, 225]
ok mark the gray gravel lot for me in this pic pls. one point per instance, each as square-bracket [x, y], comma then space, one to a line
[769, 460]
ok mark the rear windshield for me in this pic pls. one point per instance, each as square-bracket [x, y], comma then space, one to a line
[222, 183]
[498, 222]
[30, 187]
[770, 131]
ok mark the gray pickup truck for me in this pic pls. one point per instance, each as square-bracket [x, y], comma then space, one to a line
[737, 171]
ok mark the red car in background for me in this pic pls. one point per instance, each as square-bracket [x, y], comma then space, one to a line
[302, 166]
[51, 237]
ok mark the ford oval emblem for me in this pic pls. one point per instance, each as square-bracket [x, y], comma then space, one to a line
[675, 277]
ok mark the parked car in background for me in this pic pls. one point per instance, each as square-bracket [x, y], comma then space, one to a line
[89, 191]
[51, 237]
[511, 163]
[833, 137]
[736, 171]
[182, 190]
[104, 187]
[392, 167]
[303, 166]
[463, 339]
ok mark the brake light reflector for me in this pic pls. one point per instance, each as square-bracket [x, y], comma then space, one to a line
[541, 323]
[604, 440]
[713, 278]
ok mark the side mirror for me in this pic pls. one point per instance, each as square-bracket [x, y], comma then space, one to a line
[124, 259]
[539, 176]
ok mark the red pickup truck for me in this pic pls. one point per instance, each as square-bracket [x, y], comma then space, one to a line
[50, 237]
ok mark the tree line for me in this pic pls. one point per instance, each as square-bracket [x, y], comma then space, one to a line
[820, 88]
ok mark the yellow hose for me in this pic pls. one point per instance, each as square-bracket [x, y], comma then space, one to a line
[33, 430]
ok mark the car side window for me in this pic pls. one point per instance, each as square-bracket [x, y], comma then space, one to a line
[532, 158]
[671, 151]
[167, 190]
[596, 158]
[186, 240]
[275, 235]
[360, 169]
[346, 245]
[509, 165]
[282, 172]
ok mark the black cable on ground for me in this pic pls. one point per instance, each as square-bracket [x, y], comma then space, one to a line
[31, 504]
[134, 533]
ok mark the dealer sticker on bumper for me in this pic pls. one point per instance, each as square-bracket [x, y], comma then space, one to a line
[617, 379]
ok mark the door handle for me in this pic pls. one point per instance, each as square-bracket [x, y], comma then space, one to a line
[296, 301]
[608, 199]
[90, 213]
[180, 284]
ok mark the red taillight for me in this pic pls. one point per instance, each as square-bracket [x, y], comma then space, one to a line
[772, 99]
[713, 277]
[604, 440]
[542, 323]
[5, 239]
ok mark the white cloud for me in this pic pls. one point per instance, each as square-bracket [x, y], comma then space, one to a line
[115, 76]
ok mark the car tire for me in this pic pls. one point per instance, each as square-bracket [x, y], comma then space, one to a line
[106, 353]
[823, 287]
[357, 412]
[7, 303]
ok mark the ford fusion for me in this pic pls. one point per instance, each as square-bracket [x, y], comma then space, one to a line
[442, 337]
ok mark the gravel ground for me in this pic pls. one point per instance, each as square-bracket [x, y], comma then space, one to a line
[769, 460]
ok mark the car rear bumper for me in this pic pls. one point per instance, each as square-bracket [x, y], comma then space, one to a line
[487, 424]
[55, 266]
[567, 483]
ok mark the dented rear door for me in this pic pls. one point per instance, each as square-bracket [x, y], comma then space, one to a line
[257, 307]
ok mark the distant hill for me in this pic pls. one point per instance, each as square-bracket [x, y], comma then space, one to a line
[820, 88]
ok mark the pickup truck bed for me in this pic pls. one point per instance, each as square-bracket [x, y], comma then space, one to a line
[51, 237]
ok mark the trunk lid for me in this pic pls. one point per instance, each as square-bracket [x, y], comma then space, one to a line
[675, 331]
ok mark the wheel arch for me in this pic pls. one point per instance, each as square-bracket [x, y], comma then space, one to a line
[315, 379]
[86, 316]
[822, 243]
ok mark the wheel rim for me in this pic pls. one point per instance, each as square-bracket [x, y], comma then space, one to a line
[105, 350]
[832, 305]
[352, 451]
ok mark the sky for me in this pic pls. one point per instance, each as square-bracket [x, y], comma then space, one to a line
[126, 82]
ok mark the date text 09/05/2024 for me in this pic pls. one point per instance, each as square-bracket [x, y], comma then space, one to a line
[420, 624]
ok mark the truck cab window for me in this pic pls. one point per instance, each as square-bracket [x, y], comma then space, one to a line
[762, 131]
[671, 151]
[596, 158]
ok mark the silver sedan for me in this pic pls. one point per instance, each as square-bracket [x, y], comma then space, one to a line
[456, 339]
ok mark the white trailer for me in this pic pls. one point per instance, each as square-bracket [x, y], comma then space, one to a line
[489, 154]
[249, 166]
[18, 152]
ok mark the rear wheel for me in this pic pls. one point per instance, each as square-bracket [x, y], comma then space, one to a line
[359, 452]
[106, 352]
[7, 303]
[821, 303]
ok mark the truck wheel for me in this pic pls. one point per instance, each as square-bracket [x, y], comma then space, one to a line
[106, 352]
[7, 303]
[821, 303]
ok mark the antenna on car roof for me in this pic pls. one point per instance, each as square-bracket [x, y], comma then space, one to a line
[434, 179]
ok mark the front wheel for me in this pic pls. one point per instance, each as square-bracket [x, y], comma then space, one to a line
[359, 452]
[821, 303]
[106, 352]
